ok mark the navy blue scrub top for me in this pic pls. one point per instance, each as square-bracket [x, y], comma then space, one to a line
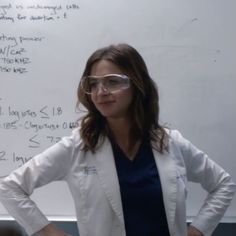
[141, 193]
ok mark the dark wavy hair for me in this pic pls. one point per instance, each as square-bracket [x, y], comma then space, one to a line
[144, 110]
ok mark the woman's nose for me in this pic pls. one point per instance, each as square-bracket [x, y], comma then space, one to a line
[101, 89]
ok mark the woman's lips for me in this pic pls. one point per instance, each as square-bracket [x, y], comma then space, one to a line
[104, 103]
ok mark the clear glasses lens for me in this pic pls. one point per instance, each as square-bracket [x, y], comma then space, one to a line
[111, 83]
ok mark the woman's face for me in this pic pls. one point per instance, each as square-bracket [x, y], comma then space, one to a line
[115, 104]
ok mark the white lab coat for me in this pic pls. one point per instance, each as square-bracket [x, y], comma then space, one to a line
[93, 182]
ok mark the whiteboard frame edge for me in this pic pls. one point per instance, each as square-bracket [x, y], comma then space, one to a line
[226, 219]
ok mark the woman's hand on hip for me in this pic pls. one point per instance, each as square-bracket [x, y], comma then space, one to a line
[192, 231]
[51, 230]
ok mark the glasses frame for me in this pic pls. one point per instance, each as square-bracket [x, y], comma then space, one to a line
[125, 77]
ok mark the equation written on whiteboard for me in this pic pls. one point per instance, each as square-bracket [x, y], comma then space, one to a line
[16, 50]
[38, 128]
[14, 56]
[15, 158]
[37, 12]
[34, 120]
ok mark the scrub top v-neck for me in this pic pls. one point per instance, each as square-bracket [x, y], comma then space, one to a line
[141, 193]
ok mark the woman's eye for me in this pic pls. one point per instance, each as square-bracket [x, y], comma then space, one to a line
[113, 81]
[93, 83]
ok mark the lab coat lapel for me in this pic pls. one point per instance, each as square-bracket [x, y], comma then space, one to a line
[108, 177]
[167, 172]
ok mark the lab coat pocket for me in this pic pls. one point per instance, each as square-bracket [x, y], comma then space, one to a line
[89, 184]
[87, 179]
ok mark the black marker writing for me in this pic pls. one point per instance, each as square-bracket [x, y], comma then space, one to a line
[44, 114]
[2, 156]
[33, 142]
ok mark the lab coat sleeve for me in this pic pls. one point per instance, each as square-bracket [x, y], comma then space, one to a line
[213, 178]
[15, 190]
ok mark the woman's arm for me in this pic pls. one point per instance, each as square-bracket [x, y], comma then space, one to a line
[51, 230]
[213, 178]
[15, 190]
[192, 231]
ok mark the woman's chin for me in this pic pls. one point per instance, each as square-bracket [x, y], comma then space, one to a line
[112, 115]
[108, 115]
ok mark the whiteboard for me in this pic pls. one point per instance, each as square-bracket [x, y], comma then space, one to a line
[189, 48]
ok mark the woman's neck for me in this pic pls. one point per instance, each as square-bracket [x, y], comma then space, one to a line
[120, 129]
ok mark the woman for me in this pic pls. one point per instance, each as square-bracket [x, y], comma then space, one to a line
[126, 172]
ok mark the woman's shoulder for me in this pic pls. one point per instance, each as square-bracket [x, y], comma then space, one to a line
[173, 133]
[175, 136]
[76, 137]
[71, 140]
[75, 134]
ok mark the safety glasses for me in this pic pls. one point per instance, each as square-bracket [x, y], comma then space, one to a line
[111, 83]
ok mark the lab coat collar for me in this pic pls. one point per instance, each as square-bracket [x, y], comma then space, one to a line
[109, 180]
[167, 173]
[107, 174]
